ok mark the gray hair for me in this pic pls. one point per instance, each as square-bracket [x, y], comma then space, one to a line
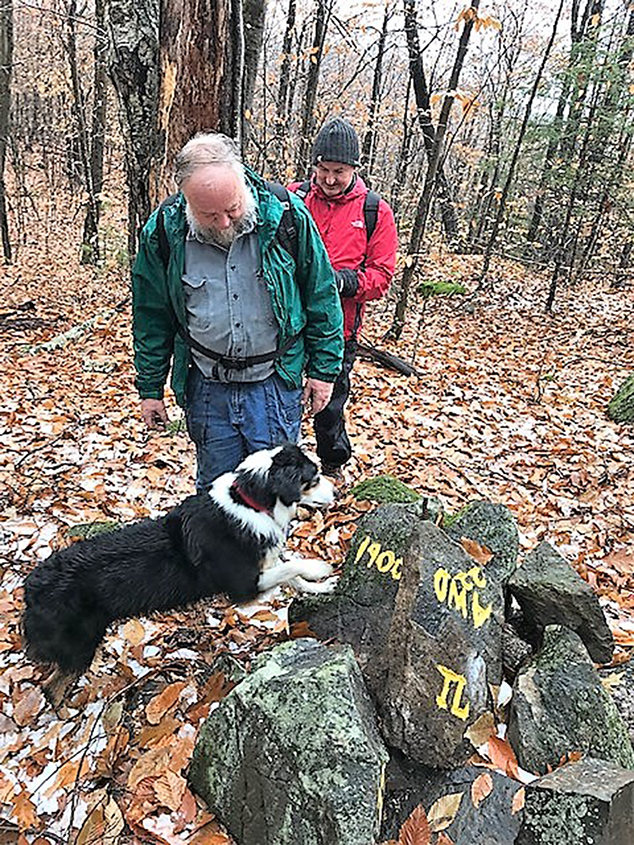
[207, 148]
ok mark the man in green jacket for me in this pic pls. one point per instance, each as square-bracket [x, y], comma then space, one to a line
[238, 313]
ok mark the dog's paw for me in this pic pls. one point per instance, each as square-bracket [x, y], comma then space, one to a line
[313, 570]
[321, 587]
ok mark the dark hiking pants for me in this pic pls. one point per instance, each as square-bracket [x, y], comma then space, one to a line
[333, 444]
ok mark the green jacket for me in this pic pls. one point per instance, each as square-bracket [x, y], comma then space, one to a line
[304, 298]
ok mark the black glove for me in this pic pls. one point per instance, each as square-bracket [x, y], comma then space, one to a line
[347, 282]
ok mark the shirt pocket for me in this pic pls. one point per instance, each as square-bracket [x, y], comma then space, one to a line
[198, 301]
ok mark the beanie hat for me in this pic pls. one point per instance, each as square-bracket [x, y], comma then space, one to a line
[337, 141]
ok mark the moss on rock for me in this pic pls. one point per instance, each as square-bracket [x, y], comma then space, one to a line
[621, 406]
[385, 489]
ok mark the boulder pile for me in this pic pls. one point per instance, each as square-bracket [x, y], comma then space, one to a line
[337, 739]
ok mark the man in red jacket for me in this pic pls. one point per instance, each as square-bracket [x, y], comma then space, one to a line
[363, 261]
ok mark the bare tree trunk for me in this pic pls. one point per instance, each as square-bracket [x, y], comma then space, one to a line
[423, 107]
[282, 103]
[6, 64]
[396, 194]
[424, 203]
[518, 145]
[253, 16]
[200, 78]
[134, 66]
[81, 137]
[560, 251]
[368, 148]
[322, 19]
[90, 241]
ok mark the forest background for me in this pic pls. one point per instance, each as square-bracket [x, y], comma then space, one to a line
[500, 132]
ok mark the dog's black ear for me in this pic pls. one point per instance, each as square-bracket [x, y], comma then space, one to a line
[287, 486]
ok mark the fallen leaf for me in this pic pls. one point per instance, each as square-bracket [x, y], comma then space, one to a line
[518, 801]
[27, 705]
[169, 789]
[443, 812]
[481, 788]
[65, 776]
[133, 632]
[152, 764]
[415, 829]
[479, 553]
[622, 561]
[481, 730]
[161, 703]
[209, 835]
[503, 757]
[24, 811]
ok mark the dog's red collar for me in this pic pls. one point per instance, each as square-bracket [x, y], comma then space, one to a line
[247, 500]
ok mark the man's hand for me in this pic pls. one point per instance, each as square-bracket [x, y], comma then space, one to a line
[154, 413]
[316, 395]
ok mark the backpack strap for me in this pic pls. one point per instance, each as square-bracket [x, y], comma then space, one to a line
[302, 191]
[163, 243]
[286, 234]
[371, 212]
[370, 207]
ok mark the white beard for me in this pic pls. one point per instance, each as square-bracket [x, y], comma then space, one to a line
[225, 237]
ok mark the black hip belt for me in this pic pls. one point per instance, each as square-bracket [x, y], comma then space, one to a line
[230, 362]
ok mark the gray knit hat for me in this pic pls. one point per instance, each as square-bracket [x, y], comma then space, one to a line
[337, 141]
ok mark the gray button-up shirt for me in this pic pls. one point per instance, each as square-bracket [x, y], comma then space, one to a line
[229, 306]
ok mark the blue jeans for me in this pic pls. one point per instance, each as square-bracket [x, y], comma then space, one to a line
[227, 422]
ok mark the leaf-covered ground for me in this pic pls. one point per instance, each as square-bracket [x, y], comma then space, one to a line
[510, 407]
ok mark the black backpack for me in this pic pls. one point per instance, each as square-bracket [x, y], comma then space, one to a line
[286, 234]
[370, 206]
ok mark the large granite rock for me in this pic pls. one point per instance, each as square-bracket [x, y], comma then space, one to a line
[589, 801]
[485, 814]
[426, 627]
[442, 649]
[619, 682]
[550, 592]
[559, 707]
[360, 609]
[293, 753]
[493, 526]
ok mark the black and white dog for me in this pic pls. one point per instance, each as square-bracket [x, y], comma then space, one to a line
[225, 541]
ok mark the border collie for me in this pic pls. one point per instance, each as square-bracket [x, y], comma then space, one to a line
[225, 541]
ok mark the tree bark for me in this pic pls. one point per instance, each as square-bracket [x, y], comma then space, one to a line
[368, 147]
[322, 19]
[179, 67]
[90, 240]
[423, 107]
[134, 67]
[518, 145]
[424, 203]
[6, 64]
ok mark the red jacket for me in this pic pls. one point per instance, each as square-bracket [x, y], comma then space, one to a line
[342, 227]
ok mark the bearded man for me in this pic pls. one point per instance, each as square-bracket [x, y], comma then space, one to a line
[240, 317]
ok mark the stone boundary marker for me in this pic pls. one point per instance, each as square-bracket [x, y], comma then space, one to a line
[425, 623]
[430, 621]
